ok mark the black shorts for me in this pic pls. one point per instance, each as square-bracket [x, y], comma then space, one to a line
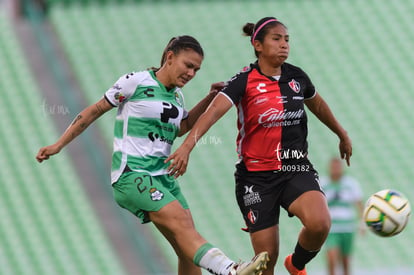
[261, 193]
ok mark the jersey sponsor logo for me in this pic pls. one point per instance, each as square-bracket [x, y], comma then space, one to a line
[252, 216]
[169, 111]
[165, 128]
[261, 100]
[248, 189]
[231, 79]
[294, 85]
[274, 117]
[117, 87]
[119, 97]
[245, 69]
[156, 195]
[261, 87]
[154, 136]
[250, 197]
[282, 99]
[149, 92]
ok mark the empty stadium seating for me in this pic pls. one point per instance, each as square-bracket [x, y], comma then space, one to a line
[47, 225]
[357, 53]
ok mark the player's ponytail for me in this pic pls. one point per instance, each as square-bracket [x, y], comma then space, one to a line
[248, 29]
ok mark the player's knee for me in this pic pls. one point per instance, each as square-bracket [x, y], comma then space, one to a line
[319, 225]
[185, 223]
[173, 217]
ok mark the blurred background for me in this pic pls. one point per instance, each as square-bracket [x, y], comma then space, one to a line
[58, 56]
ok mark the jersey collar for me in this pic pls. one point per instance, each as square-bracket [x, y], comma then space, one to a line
[152, 73]
[255, 65]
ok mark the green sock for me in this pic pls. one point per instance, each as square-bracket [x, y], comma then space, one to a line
[201, 252]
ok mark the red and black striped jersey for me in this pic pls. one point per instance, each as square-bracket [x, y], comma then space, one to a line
[272, 121]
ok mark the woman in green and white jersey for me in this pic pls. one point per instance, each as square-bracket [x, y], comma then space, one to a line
[150, 116]
[344, 197]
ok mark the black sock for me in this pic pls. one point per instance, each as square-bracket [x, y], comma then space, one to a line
[301, 256]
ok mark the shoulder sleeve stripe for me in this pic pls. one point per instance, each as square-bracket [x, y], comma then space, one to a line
[107, 99]
[185, 115]
[314, 94]
[229, 98]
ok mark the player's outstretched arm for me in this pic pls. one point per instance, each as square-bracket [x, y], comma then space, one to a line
[179, 159]
[78, 125]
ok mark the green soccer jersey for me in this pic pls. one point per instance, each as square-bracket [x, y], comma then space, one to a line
[342, 197]
[146, 124]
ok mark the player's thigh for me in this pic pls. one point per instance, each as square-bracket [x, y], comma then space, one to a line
[304, 198]
[258, 195]
[312, 210]
[141, 193]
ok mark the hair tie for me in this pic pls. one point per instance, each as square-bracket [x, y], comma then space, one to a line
[260, 27]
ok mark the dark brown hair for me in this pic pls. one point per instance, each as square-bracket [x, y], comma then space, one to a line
[179, 43]
[259, 30]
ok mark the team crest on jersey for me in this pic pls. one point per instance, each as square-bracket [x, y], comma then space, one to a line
[156, 195]
[178, 99]
[119, 96]
[294, 85]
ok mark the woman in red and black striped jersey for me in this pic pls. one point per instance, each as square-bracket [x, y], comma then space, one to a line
[273, 170]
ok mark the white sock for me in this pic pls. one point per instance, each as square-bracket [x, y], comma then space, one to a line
[216, 262]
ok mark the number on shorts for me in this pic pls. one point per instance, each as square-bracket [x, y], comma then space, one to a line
[140, 181]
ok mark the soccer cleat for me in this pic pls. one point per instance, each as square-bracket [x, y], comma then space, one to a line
[254, 267]
[291, 268]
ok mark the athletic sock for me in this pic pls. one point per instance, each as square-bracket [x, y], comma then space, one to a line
[213, 260]
[302, 256]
